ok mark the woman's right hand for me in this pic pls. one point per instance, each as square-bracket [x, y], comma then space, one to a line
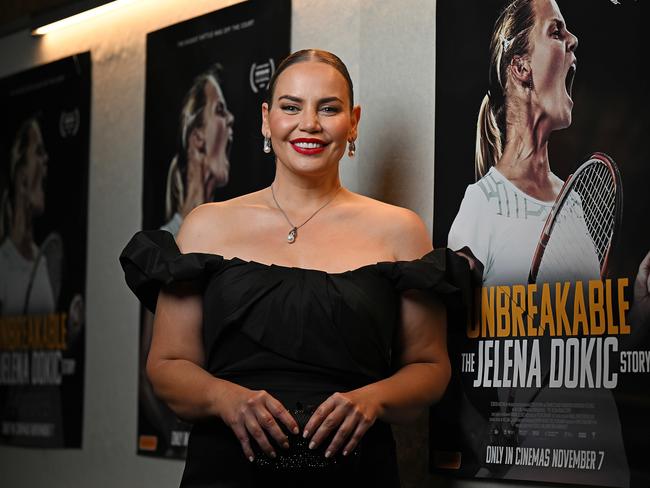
[251, 413]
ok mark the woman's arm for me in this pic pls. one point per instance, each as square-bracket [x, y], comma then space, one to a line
[425, 370]
[175, 366]
[420, 351]
[175, 361]
[640, 312]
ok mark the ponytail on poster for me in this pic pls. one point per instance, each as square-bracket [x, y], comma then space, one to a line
[489, 138]
[175, 191]
[510, 39]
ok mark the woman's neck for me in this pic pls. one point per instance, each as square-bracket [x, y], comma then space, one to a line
[525, 163]
[521, 160]
[302, 195]
[526, 151]
[21, 232]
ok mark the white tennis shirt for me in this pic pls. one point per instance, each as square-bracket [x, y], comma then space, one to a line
[501, 225]
[15, 274]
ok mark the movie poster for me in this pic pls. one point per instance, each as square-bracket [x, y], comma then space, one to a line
[205, 82]
[551, 374]
[44, 143]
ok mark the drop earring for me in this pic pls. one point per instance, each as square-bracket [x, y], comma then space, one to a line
[352, 149]
[267, 145]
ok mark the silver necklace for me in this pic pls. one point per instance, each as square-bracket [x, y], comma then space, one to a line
[293, 233]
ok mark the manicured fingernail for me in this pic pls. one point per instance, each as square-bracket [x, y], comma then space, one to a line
[285, 445]
[345, 453]
[251, 458]
[328, 454]
[296, 430]
[273, 454]
[312, 444]
[305, 434]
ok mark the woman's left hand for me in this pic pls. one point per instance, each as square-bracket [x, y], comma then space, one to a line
[349, 414]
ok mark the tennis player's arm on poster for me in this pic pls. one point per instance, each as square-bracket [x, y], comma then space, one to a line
[176, 360]
[469, 235]
[640, 312]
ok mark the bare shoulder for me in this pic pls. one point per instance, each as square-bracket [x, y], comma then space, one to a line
[401, 228]
[197, 231]
[210, 226]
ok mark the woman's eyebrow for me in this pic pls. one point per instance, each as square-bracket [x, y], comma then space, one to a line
[330, 99]
[291, 98]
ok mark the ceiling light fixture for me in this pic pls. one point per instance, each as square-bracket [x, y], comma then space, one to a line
[74, 14]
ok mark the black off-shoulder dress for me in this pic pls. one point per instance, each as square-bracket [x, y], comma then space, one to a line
[300, 334]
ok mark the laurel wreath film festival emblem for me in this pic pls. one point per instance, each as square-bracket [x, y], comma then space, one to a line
[69, 123]
[260, 75]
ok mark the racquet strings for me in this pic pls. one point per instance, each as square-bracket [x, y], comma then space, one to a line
[584, 227]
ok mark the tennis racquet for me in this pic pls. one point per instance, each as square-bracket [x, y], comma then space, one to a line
[575, 244]
[51, 253]
[579, 232]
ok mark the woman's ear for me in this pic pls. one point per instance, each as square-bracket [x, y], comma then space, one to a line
[356, 116]
[21, 180]
[520, 69]
[266, 131]
[197, 140]
[21, 186]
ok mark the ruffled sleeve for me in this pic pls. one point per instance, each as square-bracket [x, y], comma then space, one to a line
[152, 260]
[441, 273]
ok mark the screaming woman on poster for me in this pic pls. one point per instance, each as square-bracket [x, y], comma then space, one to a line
[25, 287]
[532, 64]
[294, 324]
[31, 274]
[201, 164]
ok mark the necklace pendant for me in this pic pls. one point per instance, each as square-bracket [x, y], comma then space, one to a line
[291, 237]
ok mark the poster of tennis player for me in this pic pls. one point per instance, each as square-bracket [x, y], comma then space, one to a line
[44, 144]
[541, 182]
[206, 79]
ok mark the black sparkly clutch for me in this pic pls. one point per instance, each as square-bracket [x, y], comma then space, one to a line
[298, 457]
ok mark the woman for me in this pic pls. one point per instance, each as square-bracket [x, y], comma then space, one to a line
[25, 286]
[288, 329]
[205, 136]
[532, 65]
[501, 217]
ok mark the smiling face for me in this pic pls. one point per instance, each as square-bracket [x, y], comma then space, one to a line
[310, 120]
[552, 63]
[217, 136]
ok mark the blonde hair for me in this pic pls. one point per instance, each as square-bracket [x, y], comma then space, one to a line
[18, 158]
[191, 118]
[509, 39]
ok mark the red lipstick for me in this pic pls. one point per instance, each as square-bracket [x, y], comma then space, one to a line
[308, 146]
